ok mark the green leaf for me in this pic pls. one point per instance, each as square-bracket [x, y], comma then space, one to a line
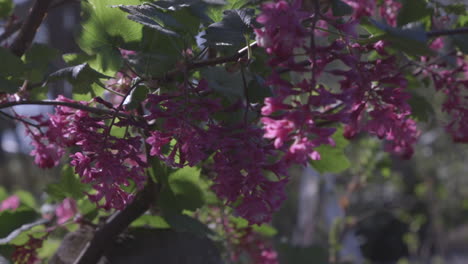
[421, 109]
[265, 230]
[340, 8]
[333, 159]
[77, 58]
[37, 60]
[8, 86]
[184, 223]
[150, 16]
[226, 83]
[26, 198]
[11, 65]
[3, 193]
[80, 76]
[412, 41]
[461, 41]
[456, 9]
[232, 29]
[6, 8]
[183, 191]
[11, 220]
[87, 209]
[154, 221]
[136, 97]
[68, 186]
[154, 64]
[105, 29]
[257, 90]
[412, 10]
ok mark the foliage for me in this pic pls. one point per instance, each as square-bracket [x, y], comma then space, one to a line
[185, 110]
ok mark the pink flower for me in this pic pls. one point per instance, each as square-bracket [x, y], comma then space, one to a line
[66, 210]
[10, 203]
[282, 31]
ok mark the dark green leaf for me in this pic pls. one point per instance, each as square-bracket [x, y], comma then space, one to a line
[257, 90]
[412, 41]
[226, 83]
[37, 60]
[165, 246]
[412, 10]
[421, 109]
[154, 221]
[232, 29]
[80, 76]
[11, 220]
[461, 41]
[183, 192]
[3, 193]
[136, 96]
[185, 223]
[339, 8]
[6, 7]
[69, 186]
[175, 5]
[154, 65]
[456, 9]
[150, 16]
[77, 58]
[333, 159]
[8, 86]
[11, 65]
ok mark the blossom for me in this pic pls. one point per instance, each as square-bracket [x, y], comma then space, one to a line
[66, 210]
[282, 31]
[27, 253]
[10, 203]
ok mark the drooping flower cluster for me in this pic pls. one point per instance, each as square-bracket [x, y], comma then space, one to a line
[370, 96]
[27, 253]
[241, 241]
[241, 161]
[105, 161]
[453, 82]
[187, 134]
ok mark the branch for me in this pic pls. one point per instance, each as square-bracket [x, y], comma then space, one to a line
[233, 58]
[11, 29]
[29, 28]
[94, 110]
[116, 224]
[211, 62]
[21, 229]
[447, 32]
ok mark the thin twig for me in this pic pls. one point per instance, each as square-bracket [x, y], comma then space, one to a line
[11, 29]
[210, 62]
[19, 119]
[21, 229]
[90, 109]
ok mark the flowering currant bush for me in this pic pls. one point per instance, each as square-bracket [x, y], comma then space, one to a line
[171, 99]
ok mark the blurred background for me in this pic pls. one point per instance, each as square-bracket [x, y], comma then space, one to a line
[380, 210]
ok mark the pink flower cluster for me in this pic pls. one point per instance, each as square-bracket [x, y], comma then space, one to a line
[27, 253]
[370, 96]
[453, 82]
[187, 134]
[104, 161]
[241, 241]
